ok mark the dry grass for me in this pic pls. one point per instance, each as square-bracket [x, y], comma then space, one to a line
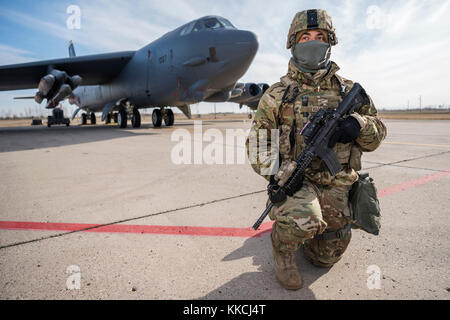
[426, 115]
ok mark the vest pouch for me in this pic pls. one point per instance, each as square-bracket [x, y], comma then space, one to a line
[364, 205]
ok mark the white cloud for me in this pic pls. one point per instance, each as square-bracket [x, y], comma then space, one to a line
[408, 57]
[10, 55]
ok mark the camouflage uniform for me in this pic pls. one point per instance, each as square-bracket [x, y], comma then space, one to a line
[322, 205]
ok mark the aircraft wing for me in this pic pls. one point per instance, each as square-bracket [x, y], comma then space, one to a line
[93, 69]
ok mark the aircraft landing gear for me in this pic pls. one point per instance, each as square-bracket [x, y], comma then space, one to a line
[93, 119]
[157, 118]
[83, 119]
[136, 118]
[115, 117]
[108, 118]
[159, 115]
[169, 117]
[122, 118]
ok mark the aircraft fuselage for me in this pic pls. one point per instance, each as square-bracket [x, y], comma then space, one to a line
[177, 69]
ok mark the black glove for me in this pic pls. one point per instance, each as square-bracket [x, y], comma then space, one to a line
[276, 193]
[347, 131]
[279, 194]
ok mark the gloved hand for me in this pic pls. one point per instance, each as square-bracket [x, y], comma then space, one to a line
[276, 193]
[279, 194]
[347, 131]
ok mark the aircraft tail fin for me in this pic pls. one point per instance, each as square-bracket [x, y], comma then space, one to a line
[71, 49]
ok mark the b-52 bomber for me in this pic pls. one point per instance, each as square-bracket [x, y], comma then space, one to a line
[199, 61]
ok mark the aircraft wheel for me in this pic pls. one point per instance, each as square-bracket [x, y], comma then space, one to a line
[83, 119]
[169, 119]
[115, 116]
[136, 119]
[93, 119]
[156, 118]
[108, 118]
[122, 119]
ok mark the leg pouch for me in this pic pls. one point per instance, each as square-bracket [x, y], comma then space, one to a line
[364, 205]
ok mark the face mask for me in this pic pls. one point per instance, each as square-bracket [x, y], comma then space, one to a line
[311, 56]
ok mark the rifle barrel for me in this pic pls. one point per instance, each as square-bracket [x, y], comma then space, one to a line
[263, 216]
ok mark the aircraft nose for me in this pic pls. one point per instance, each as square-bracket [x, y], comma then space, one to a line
[238, 39]
[247, 40]
[238, 46]
[236, 50]
[246, 43]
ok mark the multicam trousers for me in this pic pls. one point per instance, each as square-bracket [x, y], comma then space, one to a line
[313, 210]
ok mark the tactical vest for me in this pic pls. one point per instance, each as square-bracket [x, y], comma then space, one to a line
[299, 103]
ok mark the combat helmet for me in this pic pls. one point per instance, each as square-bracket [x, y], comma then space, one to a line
[311, 19]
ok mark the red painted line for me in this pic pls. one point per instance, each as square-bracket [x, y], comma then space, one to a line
[143, 229]
[412, 184]
[188, 230]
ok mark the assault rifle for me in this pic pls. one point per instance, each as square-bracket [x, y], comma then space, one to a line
[318, 132]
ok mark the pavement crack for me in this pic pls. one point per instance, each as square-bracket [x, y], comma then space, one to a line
[399, 166]
[132, 219]
[395, 163]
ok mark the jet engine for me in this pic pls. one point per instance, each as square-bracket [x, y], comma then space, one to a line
[248, 94]
[245, 92]
[55, 87]
[250, 91]
[264, 87]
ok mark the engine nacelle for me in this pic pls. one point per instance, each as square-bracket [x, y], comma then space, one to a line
[264, 87]
[236, 92]
[250, 91]
[247, 92]
[56, 87]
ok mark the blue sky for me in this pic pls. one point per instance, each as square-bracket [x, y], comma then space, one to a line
[398, 50]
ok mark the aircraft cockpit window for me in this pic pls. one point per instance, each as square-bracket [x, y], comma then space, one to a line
[227, 23]
[198, 26]
[213, 23]
[187, 29]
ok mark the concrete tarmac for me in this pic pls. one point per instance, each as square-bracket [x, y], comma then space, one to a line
[97, 212]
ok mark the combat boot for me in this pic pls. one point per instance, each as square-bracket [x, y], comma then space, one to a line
[286, 270]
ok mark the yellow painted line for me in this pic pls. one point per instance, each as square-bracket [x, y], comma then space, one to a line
[420, 144]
